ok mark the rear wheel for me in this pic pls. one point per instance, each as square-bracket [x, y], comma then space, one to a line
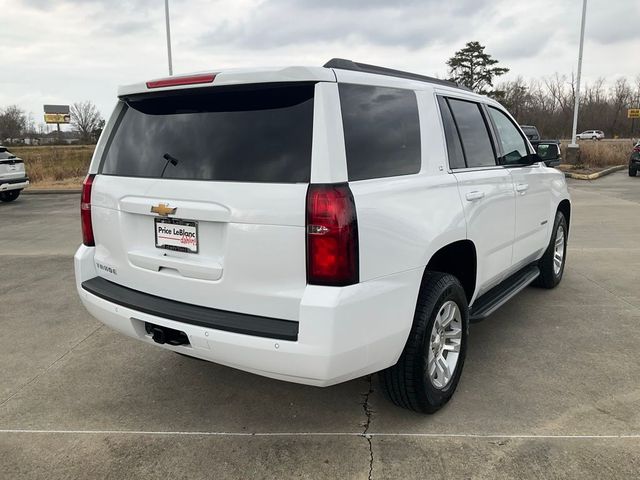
[633, 170]
[430, 366]
[552, 262]
[9, 196]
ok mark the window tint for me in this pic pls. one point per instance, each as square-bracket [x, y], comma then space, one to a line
[473, 132]
[514, 148]
[5, 154]
[381, 131]
[240, 134]
[454, 147]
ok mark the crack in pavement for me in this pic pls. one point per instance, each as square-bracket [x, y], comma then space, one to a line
[365, 432]
[44, 372]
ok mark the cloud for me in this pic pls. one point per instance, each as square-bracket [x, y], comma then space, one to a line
[409, 24]
[63, 51]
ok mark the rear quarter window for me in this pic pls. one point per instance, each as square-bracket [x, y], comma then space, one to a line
[381, 131]
[249, 134]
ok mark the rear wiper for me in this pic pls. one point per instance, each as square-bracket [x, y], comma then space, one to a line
[169, 159]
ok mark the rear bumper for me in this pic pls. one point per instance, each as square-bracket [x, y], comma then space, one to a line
[634, 160]
[13, 184]
[343, 333]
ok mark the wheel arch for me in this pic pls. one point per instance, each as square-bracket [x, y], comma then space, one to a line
[459, 259]
[565, 207]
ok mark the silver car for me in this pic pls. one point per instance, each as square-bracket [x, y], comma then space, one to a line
[591, 135]
[13, 178]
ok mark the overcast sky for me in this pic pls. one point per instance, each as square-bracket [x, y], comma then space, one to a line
[63, 51]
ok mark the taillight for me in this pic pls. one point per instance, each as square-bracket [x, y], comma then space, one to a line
[332, 236]
[85, 211]
[636, 148]
[184, 80]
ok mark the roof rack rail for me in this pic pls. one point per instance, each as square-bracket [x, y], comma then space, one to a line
[344, 64]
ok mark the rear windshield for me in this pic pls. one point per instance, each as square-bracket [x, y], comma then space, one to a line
[244, 135]
[4, 154]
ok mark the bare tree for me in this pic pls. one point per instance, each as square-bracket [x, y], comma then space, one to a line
[86, 118]
[12, 122]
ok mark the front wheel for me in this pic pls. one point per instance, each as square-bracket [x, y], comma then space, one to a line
[9, 196]
[430, 365]
[552, 262]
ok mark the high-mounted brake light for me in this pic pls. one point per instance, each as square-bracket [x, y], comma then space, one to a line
[332, 236]
[85, 211]
[184, 80]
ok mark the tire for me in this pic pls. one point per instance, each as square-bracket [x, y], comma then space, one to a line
[633, 170]
[594, 138]
[9, 196]
[550, 275]
[408, 383]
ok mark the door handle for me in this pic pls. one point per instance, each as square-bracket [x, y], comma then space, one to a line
[475, 195]
[522, 187]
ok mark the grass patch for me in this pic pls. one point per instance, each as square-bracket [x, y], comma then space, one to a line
[48, 164]
[602, 154]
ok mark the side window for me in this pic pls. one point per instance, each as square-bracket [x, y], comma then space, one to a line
[381, 131]
[454, 147]
[473, 133]
[514, 148]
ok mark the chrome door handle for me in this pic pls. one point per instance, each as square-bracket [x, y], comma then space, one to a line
[475, 195]
[522, 187]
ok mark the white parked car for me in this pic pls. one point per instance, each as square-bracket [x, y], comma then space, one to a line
[590, 135]
[13, 178]
[316, 224]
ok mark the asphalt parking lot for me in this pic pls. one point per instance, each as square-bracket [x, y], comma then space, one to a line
[551, 386]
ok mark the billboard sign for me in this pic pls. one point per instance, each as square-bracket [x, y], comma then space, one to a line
[57, 114]
[57, 118]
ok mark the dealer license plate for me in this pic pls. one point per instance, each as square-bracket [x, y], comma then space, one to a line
[176, 234]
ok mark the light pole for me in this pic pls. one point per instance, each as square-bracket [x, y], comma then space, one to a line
[577, 103]
[166, 16]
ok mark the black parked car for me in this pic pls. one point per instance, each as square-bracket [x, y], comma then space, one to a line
[531, 132]
[549, 151]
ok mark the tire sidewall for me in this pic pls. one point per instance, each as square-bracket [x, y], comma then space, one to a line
[9, 195]
[559, 222]
[437, 396]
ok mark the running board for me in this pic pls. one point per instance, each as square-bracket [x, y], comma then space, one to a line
[502, 293]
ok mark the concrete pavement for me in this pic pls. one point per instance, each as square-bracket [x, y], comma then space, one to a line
[551, 386]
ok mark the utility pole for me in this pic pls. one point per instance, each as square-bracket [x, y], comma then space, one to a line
[166, 16]
[577, 102]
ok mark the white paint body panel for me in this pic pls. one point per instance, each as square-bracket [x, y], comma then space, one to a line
[252, 256]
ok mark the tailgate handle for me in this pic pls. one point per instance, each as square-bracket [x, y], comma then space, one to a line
[185, 267]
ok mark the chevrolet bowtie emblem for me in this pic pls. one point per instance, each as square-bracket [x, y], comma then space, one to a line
[163, 209]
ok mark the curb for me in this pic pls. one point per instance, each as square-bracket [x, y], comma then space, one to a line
[593, 176]
[43, 191]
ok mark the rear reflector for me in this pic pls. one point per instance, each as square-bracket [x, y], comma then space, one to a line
[85, 211]
[185, 80]
[332, 236]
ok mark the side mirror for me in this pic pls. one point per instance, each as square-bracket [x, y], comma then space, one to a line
[548, 152]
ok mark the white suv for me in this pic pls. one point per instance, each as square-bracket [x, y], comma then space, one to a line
[316, 224]
[13, 178]
[590, 135]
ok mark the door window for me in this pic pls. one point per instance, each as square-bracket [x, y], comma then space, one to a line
[514, 148]
[454, 146]
[476, 143]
